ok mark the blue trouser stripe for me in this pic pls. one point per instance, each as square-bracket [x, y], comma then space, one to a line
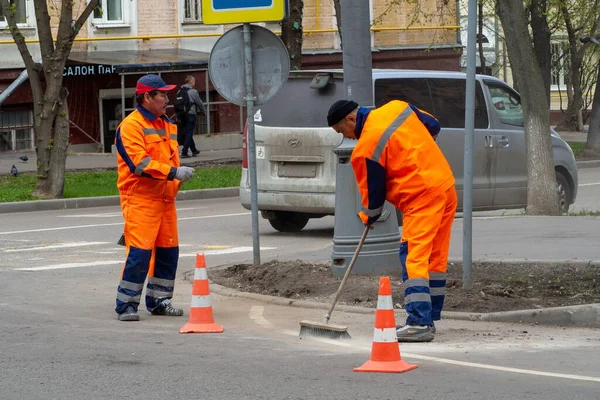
[437, 299]
[165, 268]
[419, 312]
[135, 271]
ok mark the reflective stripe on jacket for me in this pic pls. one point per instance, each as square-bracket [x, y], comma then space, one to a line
[396, 159]
[147, 156]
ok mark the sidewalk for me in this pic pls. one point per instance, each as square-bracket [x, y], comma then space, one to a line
[90, 161]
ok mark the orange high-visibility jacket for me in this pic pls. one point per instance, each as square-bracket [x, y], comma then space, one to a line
[148, 156]
[396, 158]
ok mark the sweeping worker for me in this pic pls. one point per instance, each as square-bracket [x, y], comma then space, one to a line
[149, 177]
[397, 159]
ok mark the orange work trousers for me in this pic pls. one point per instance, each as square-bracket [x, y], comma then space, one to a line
[424, 256]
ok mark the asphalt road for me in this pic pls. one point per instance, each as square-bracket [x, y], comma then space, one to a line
[60, 338]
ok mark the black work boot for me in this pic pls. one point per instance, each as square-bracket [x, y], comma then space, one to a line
[129, 315]
[166, 308]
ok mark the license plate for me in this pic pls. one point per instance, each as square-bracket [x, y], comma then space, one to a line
[296, 170]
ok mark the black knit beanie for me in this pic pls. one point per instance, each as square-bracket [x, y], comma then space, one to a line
[339, 110]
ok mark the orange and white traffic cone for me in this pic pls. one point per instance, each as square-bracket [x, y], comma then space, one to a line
[201, 313]
[385, 352]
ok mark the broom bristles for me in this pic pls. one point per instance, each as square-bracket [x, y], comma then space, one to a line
[309, 328]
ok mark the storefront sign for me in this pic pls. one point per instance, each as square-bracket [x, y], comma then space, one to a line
[91, 69]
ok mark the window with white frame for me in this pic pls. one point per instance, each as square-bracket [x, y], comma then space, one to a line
[192, 11]
[560, 64]
[16, 130]
[20, 9]
[109, 11]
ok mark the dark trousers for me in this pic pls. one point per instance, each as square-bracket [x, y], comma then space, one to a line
[190, 128]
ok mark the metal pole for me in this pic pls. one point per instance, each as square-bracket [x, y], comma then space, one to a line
[356, 34]
[207, 102]
[469, 144]
[122, 97]
[251, 142]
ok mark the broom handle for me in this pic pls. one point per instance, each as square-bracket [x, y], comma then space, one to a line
[347, 274]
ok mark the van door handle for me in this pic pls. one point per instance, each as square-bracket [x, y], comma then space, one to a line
[503, 141]
[489, 141]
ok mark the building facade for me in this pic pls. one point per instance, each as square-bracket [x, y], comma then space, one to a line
[128, 38]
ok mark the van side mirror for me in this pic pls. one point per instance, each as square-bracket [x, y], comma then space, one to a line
[321, 80]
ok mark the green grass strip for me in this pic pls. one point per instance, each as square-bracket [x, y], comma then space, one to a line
[97, 184]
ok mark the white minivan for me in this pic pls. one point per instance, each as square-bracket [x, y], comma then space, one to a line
[296, 165]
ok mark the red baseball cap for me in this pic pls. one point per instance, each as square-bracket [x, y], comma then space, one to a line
[150, 82]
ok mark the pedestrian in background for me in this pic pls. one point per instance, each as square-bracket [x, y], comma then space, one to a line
[396, 159]
[149, 177]
[187, 106]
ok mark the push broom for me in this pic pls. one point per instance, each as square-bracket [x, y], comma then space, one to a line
[325, 329]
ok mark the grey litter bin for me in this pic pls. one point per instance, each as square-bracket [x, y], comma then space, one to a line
[379, 254]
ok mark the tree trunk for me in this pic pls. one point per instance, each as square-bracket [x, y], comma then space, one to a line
[541, 41]
[593, 137]
[291, 34]
[51, 151]
[51, 120]
[338, 19]
[480, 28]
[542, 195]
[571, 119]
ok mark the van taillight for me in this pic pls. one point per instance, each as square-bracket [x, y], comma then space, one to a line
[245, 147]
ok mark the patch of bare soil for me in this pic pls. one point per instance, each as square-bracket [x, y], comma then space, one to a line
[588, 155]
[496, 286]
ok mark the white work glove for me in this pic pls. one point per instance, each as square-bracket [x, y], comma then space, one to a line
[184, 173]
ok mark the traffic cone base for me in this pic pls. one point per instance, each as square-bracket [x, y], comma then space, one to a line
[385, 366]
[201, 328]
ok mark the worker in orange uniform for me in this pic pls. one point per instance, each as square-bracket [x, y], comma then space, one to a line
[149, 177]
[396, 159]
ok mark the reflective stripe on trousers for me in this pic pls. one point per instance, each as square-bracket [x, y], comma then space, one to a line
[161, 281]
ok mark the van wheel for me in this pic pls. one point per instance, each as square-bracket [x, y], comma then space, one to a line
[565, 193]
[285, 221]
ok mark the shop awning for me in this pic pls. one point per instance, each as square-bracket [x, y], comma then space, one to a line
[145, 60]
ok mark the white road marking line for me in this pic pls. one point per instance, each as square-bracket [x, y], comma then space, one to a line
[61, 228]
[503, 369]
[231, 250]
[117, 214]
[55, 246]
[256, 314]
[71, 265]
[589, 184]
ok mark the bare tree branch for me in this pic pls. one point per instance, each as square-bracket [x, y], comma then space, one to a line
[44, 31]
[30, 65]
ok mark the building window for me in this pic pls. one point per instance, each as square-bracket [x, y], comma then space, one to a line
[109, 11]
[192, 11]
[20, 8]
[560, 64]
[16, 130]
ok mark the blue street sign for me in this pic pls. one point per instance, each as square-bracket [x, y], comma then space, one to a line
[218, 12]
[237, 4]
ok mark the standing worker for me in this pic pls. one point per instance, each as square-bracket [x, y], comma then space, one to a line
[396, 159]
[149, 177]
[187, 106]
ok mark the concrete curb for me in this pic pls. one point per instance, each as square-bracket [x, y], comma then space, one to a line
[84, 202]
[588, 164]
[585, 315]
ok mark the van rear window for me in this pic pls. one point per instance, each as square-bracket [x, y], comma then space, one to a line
[298, 105]
[444, 98]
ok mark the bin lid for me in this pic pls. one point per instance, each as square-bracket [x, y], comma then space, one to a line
[345, 148]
